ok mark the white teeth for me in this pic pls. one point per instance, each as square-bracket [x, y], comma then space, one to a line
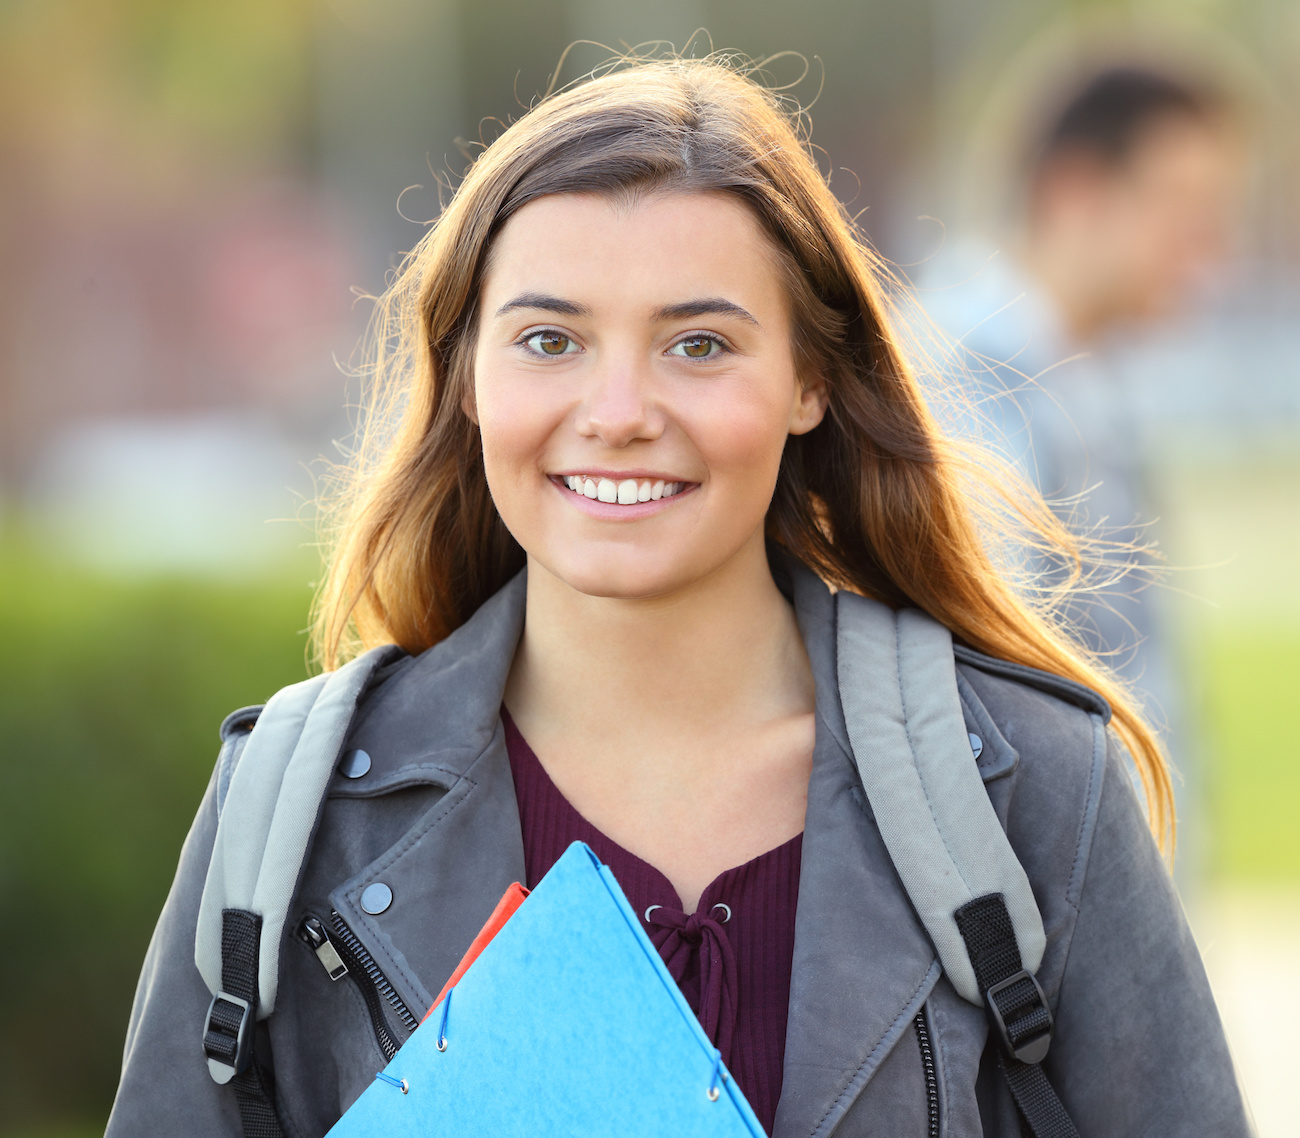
[627, 492]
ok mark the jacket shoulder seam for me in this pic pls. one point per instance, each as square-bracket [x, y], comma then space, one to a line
[1088, 822]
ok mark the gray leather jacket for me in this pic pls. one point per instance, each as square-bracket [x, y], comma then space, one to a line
[1139, 1049]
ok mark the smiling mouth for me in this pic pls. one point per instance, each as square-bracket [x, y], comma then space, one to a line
[627, 492]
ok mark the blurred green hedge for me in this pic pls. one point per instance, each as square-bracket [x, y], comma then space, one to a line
[111, 693]
[1251, 676]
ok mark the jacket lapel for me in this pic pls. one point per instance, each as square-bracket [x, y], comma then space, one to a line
[438, 722]
[863, 964]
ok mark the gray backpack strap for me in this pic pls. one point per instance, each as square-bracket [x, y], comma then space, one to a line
[898, 687]
[269, 814]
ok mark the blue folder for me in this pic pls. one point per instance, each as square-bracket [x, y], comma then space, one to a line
[568, 1023]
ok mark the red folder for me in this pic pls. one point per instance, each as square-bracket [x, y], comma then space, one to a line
[510, 901]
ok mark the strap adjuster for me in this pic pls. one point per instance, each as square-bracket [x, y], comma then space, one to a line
[228, 1036]
[1021, 1019]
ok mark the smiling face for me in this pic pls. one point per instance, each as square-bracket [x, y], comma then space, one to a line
[634, 384]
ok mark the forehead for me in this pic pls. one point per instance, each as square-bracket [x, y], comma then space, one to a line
[1183, 143]
[656, 247]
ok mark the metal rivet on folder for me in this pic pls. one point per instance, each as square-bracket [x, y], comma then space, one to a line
[375, 898]
[354, 764]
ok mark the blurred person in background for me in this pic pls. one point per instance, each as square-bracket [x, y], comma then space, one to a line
[1127, 210]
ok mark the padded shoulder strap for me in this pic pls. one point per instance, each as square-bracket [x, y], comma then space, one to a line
[270, 812]
[235, 729]
[898, 687]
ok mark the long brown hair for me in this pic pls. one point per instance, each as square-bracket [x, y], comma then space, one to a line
[875, 499]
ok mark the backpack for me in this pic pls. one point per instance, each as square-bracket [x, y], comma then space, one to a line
[898, 690]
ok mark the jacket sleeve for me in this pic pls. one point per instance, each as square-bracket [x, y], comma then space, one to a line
[165, 1087]
[1139, 1049]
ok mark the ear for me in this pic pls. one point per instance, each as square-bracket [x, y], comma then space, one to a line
[809, 407]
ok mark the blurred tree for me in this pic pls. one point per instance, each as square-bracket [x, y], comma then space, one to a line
[110, 696]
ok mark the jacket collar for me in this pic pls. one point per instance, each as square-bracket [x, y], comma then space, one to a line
[433, 716]
[863, 964]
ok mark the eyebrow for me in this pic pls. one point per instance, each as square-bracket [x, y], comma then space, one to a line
[704, 306]
[541, 302]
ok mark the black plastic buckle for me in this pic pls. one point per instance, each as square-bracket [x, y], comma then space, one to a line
[1034, 1048]
[227, 1040]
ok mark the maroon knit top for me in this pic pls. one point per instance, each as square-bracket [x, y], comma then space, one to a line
[731, 957]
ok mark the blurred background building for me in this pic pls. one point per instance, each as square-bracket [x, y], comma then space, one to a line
[195, 199]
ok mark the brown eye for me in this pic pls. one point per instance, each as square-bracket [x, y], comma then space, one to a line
[696, 347]
[552, 343]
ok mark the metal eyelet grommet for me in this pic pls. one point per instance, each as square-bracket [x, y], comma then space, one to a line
[717, 1079]
[726, 909]
[441, 1042]
[650, 910]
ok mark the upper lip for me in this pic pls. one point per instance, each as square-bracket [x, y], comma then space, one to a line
[619, 475]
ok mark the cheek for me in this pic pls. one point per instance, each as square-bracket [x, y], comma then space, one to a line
[1138, 253]
[515, 422]
[742, 433]
[1166, 258]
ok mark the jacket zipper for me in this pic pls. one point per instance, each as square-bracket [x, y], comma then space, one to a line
[931, 1079]
[342, 954]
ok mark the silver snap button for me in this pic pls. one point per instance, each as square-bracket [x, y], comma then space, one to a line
[375, 898]
[354, 764]
[976, 745]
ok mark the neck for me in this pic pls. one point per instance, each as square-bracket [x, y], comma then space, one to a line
[721, 651]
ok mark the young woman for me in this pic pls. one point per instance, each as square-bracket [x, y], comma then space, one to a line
[637, 406]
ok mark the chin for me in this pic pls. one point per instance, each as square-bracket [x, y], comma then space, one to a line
[629, 574]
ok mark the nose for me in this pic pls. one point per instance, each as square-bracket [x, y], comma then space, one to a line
[619, 406]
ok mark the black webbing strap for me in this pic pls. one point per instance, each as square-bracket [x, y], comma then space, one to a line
[1019, 1017]
[228, 1037]
[1041, 1112]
